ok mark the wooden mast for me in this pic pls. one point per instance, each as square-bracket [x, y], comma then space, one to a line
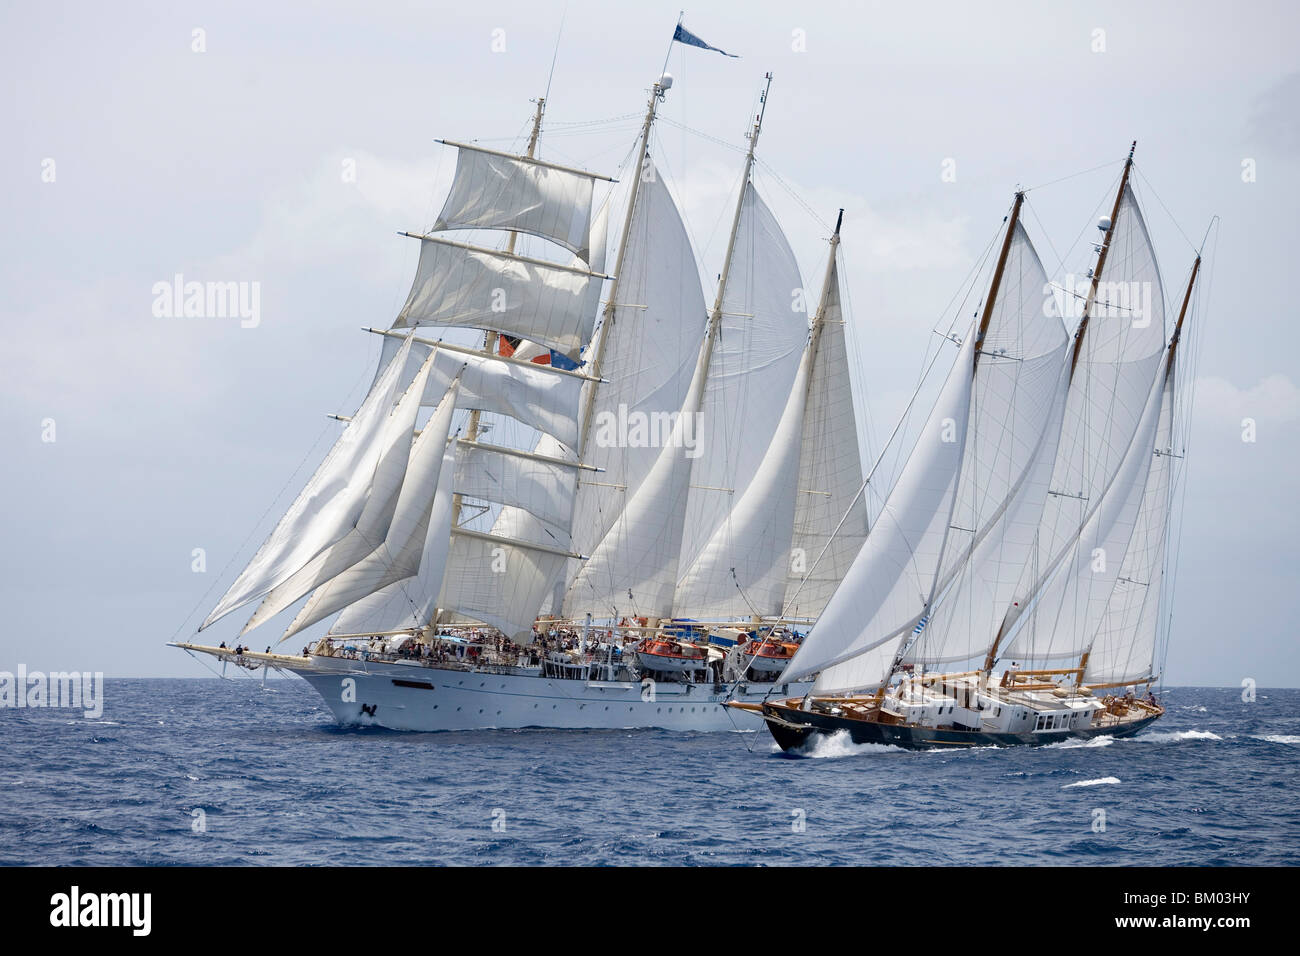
[814, 338]
[987, 317]
[1182, 314]
[1169, 371]
[1101, 260]
[991, 656]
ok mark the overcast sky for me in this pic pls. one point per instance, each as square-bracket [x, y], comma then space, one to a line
[130, 157]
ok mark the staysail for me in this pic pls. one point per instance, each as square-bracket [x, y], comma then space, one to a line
[757, 347]
[965, 487]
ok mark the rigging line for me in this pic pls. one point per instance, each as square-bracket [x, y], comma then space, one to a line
[1060, 262]
[707, 136]
[697, 250]
[793, 194]
[1202, 307]
[574, 124]
[555, 56]
[1083, 172]
[1146, 183]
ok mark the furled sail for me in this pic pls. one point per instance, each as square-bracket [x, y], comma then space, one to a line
[372, 524]
[648, 345]
[830, 473]
[493, 190]
[757, 349]
[332, 500]
[399, 555]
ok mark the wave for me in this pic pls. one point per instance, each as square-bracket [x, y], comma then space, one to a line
[1092, 783]
[1279, 738]
[1161, 736]
[840, 744]
[1076, 743]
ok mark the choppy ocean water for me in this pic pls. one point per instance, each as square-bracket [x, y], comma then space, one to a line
[275, 781]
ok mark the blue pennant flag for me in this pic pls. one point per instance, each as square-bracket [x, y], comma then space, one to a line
[684, 35]
[560, 360]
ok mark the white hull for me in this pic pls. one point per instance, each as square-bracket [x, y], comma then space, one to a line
[434, 699]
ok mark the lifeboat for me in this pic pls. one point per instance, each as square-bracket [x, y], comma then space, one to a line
[659, 654]
[768, 657]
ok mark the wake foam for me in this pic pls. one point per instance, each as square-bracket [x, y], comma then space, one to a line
[1092, 783]
[1176, 736]
[840, 744]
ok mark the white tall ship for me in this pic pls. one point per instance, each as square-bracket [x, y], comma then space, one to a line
[685, 502]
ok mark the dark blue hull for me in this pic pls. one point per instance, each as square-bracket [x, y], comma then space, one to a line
[794, 729]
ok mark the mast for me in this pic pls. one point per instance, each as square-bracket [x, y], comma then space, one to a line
[1101, 262]
[472, 426]
[814, 340]
[816, 334]
[716, 318]
[991, 656]
[1013, 219]
[987, 317]
[1182, 314]
[607, 319]
[1169, 371]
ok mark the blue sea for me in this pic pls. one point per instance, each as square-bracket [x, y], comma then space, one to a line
[231, 772]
